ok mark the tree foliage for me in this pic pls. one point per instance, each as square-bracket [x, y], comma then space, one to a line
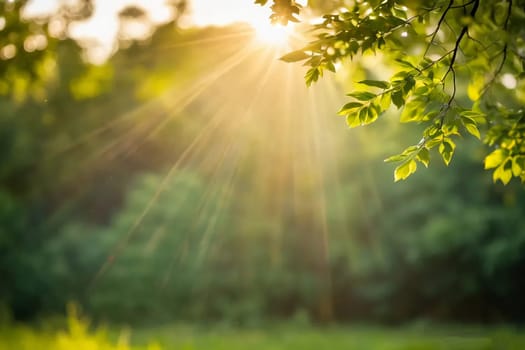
[28, 46]
[458, 71]
[441, 246]
[252, 224]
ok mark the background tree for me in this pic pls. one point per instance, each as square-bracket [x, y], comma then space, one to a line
[458, 70]
[28, 45]
[160, 185]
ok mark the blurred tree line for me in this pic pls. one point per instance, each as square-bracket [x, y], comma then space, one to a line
[100, 202]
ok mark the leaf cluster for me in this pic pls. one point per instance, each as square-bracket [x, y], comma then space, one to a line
[283, 11]
[459, 71]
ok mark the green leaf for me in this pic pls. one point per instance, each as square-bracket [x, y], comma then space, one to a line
[405, 63]
[385, 101]
[330, 66]
[516, 167]
[353, 46]
[396, 158]
[352, 120]
[376, 83]
[433, 142]
[473, 130]
[381, 42]
[405, 170]
[295, 56]
[446, 149]
[471, 126]
[502, 174]
[475, 86]
[363, 114]
[373, 113]
[394, 21]
[495, 158]
[520, 162]
[412, 112]
[477, 117]
[362, 95]
[367, 44]
[408, 152]
[312, 76]
[424, 156]
[398, 99]
[409, 84]
[314, 61]
[399, 12]
[348, 107]
[407, 115]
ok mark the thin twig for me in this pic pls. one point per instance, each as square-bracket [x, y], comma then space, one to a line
[464, 5]
[503, 52]
[463, 32]
[438, 26]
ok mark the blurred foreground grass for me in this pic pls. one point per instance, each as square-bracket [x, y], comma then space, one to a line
[335, 338]
[79, 336]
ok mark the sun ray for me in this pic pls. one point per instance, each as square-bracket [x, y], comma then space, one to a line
[248, 116]
[232, 152]
[136, 133]
[117, 249]
[210, 40]
[273, 34]
[182, 101]
[166, 99]
[123, 241]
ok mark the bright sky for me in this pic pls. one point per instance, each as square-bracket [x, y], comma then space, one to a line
[221, 12]
[102, 27]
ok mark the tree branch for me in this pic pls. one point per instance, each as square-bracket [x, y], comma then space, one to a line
[463, 32]
[440, 22]
[504, 53]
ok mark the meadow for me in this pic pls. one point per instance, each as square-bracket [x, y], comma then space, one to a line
[78, 334]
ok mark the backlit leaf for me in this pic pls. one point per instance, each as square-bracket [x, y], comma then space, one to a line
[471, 127]
[495, 158]
[362, 95]
[376, 83]
[516, 167]
[405, 170]
[446, 149]
[502, 174]
[349, 106]
[398, 99]
[424, 156]
[363, 114]
[352, 120]
[396, 158]
[405, 63]
[295, 56]
[312, 76]
[385, 101]
[475, 87]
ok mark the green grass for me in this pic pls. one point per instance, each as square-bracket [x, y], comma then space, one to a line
[78, 336]
[335, 338]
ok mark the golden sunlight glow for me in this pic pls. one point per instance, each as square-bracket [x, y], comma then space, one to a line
[272, 34]
[207, 12]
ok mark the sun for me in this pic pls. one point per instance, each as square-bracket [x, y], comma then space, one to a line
[272, 34]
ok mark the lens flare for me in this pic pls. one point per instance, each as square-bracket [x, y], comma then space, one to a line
[272, 34]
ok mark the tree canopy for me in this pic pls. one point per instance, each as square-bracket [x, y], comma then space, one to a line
[457, 69]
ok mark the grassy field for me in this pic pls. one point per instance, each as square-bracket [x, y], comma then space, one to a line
[335, 338]
[178, 337]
